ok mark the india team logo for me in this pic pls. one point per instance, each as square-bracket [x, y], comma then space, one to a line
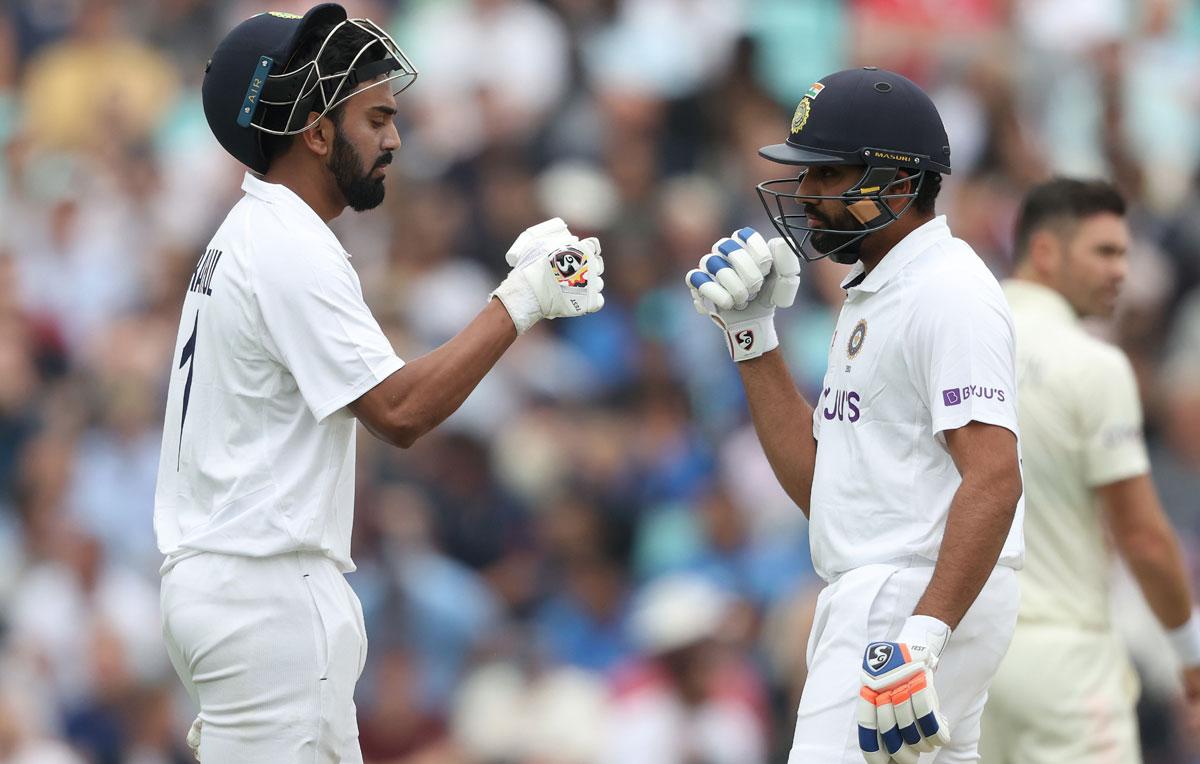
[570, 265]
[857, 338]
[801, 116]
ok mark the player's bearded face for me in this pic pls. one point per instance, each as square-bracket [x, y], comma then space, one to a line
[355, 177]
[830, 216]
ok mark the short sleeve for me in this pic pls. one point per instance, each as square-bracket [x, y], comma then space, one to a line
[319, 326]
[1111, 415]
[817, 421]
[962, 356]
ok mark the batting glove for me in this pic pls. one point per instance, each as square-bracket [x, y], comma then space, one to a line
[898, 713]
[554, 275]
[740, 283]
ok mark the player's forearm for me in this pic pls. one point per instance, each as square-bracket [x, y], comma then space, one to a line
[783, 421]
[980, 517]
[1160, 573]
[1144, 537]
[427, 390]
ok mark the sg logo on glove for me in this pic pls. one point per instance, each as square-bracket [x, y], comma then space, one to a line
[570, 266]
[879, 654]
[745, 339]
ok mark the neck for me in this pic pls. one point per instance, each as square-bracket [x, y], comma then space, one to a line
[1025, 272]
[315, 188]
[876, 246]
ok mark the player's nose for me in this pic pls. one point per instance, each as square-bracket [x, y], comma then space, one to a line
[391, 138]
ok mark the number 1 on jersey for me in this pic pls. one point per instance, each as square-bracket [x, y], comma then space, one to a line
[185, 356]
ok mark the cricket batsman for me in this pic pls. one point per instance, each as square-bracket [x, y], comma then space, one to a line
[910, 478]
[276, 359]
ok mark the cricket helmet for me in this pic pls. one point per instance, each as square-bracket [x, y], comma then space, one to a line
[866, 117]
[255, 85]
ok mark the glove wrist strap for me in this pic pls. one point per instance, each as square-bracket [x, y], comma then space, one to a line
[519, 300]
[1186, 641]
[926, 630]
[751, 338]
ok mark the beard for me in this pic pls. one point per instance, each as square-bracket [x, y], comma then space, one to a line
[361, 191]
[825, 242]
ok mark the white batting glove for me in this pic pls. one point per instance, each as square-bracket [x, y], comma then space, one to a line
[554, 275]
[740, 283]
[898, 713]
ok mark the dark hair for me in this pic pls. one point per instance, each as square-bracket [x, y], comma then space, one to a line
[926, 199]
[336, 57]
[1062, 202]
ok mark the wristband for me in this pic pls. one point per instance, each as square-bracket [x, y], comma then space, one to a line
[1186, 641]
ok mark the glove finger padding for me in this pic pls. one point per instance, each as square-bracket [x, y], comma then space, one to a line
[757, 246]
[727, 276]
[786, 271]
[869, 741]
[906, 719]
[743, 264]
[889, 733]
[591, 247]
[705, 288]
[930, 721]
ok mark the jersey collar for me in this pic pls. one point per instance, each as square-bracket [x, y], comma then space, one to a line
[275, 193]
[1046, 302]
[916, 242]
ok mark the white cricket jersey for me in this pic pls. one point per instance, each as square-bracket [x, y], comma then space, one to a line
[924, 344]
[275, 339]
[1081, 426]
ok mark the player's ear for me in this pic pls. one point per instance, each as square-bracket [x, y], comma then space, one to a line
[318, 138]
[1044, 251]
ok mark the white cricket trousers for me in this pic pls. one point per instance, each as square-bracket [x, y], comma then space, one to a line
[269, 649]
[870, 604]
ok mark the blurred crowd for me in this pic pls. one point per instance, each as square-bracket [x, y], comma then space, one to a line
[590, 563]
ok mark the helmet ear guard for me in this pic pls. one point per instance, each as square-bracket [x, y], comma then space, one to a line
[863, 199]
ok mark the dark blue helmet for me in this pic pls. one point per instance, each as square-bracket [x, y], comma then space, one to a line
[865, 117]
[253, 84]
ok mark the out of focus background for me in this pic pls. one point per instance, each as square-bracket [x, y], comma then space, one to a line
[591, 562]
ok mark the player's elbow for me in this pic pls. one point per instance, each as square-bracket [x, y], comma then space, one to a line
[1003, 482]
[406, 426]
[396, 428]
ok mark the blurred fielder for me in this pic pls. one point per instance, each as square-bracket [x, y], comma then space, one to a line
[911, 478]
[277, 356]
[1066, 690]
